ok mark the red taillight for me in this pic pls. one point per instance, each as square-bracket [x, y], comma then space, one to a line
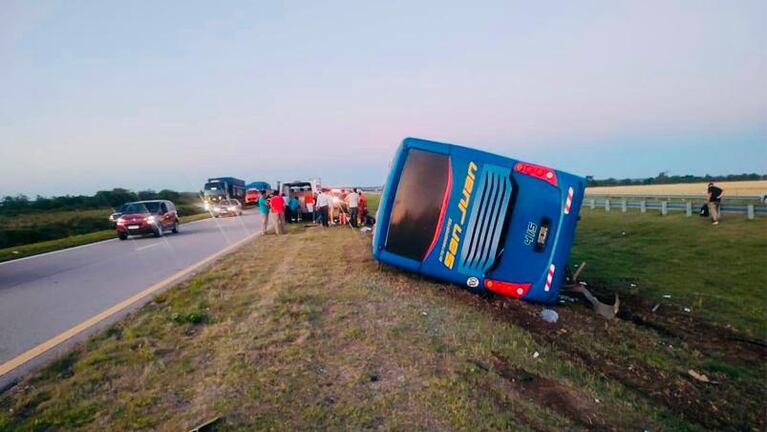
[511, 289]
[540, 172]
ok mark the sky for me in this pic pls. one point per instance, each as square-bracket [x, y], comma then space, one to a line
[155, 95]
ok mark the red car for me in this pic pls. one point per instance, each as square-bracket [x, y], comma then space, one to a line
[252, 196]
[147, 217]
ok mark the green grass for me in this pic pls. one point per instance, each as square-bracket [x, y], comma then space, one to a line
[305, 331]
[718, 272]
[71, 241]
[373, 199]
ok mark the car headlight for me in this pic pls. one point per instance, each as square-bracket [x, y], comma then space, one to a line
[232, 208]
[120, 221]
[151, 219]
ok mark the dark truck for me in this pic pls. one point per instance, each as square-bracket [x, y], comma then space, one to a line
[221, 188]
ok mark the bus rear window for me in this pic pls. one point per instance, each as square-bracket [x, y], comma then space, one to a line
[417, 203]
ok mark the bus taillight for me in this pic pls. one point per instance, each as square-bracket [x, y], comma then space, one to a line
[512, 289]
[540, 172]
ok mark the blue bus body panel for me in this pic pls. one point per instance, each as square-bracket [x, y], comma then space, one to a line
[493, 216]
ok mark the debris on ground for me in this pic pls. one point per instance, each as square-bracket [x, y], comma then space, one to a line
[549, 315]
[688, 310]
[208, 425]
[606, 311]
[666, 296]
[365, 229]
[536, 355]
[655, 308]
[697, 376]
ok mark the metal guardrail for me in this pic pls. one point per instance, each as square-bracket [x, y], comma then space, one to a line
[691, 205]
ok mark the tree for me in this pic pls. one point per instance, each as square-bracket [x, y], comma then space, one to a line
[148, 194]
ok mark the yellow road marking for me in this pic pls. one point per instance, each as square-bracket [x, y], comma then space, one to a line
[90, 322]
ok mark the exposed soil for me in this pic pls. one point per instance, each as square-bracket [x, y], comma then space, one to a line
[572, 403]
[709, 404]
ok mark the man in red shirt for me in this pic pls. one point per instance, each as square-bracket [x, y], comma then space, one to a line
[363, 207]
[277, 205]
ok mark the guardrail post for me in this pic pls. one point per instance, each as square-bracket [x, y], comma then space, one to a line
[643, 206]
[664, 208]
[750, 211]
[624, 206]
[689, 208]
[607, 205]
[593, 203]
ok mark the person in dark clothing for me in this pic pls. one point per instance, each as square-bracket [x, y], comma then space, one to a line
[714, 202]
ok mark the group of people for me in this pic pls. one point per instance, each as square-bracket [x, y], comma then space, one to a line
[324, 207]
[344, 207]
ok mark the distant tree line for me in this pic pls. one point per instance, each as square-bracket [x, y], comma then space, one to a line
[108, 198]
[664, 178]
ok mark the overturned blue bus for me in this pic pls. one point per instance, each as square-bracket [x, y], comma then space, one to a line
[478, 219]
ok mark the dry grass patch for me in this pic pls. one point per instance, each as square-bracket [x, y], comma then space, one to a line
[733, 188]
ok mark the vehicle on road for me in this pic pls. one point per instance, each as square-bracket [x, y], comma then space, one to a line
[114, 216]
[253, 191]
[222, 188]
[303, 191]
[477, 219]
[147, 217]
[230, 207]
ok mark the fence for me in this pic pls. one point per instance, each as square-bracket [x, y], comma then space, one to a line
[749, 206]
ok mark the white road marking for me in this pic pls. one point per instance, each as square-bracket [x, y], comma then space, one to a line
[148, 246]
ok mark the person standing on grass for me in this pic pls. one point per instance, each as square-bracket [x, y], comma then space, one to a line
[309, 202]
[323, 201]
[714, 202]
[263, 209]
[363, 207]
[277, 204]
[293, 206]
[353, 201]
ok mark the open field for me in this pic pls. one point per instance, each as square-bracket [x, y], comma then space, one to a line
[738, 188]
[715, 271]
[304, 331]
[72, 241]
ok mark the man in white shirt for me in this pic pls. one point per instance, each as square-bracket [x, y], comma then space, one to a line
[323, 201]
[353, 200]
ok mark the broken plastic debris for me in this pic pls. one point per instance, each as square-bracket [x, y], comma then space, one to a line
[535, 355]
[697, 376]
[549, 315]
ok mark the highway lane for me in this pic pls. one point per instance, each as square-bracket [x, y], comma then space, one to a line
[43, 296]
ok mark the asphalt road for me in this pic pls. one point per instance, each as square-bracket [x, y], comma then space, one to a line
[43, 296]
